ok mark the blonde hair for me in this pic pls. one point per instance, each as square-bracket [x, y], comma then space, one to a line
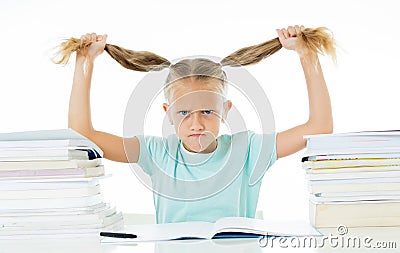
[196, 69]
[319, 40]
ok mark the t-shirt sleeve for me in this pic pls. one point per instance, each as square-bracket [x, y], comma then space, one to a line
[151, 149]
[261, 155]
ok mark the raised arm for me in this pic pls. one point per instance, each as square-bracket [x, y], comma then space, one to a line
[320, 112]
[79, 117]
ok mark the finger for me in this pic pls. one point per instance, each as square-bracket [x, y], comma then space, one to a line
[93, 37]
[104, 37]
[285, 33]
[302, 28]
[292, 31]
[84, 37]
[297, 29]
[280, 35]
[101, 38]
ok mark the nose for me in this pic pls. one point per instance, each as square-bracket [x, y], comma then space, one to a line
[196, 122]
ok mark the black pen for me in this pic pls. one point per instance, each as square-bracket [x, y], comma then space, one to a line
[118, 235]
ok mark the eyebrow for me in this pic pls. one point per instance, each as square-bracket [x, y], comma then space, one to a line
[190, 110]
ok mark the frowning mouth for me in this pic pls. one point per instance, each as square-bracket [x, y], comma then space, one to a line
[196, 135]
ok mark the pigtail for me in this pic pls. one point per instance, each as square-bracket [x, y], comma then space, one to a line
[135, 60]
[66, 48]
[319, 40]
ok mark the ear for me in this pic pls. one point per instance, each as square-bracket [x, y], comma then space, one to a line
[166, 107]
[227, 108]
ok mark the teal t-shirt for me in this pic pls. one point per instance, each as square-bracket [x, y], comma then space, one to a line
[191, 186]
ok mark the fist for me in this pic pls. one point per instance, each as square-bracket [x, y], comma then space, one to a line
[95, 45]
[289, 37]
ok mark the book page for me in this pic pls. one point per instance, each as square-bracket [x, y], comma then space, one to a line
[263, 227]
[165, 231]
[46, 137]
[56, 134]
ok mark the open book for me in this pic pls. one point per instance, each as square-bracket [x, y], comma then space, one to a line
[228, 227]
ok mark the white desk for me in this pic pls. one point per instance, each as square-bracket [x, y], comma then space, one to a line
[384, 234]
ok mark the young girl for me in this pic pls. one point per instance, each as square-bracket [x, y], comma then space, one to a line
[197, 174]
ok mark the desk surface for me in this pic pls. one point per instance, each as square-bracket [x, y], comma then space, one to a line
[358, 239]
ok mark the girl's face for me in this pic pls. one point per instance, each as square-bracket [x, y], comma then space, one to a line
[196, 111]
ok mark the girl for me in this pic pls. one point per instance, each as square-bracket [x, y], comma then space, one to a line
[185, 168]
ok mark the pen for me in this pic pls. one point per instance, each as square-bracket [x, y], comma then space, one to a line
[118, 235]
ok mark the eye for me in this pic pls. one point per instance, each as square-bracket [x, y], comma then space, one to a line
[207, 112]
[183, 113]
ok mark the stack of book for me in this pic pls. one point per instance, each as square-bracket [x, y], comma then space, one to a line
[49, 186]
[354, 178]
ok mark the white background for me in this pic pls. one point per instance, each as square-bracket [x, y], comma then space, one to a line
[363, 85]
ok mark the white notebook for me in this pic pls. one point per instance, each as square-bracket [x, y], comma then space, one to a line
[228, 227]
